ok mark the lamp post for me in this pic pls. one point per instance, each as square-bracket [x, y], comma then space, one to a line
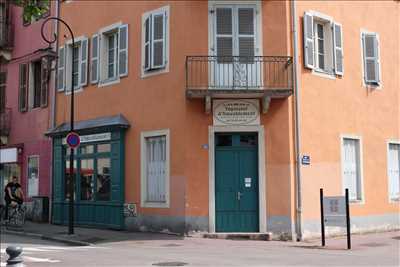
[71, 157]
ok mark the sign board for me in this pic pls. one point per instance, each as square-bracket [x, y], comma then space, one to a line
[236, 112]
[8, 155]
[73, 140]
[305, 160]
[335, 211]
[92, 138]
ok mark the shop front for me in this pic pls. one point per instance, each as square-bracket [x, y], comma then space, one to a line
[10, 165]
[98, 171]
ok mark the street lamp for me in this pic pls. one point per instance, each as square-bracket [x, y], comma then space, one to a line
[71, 157]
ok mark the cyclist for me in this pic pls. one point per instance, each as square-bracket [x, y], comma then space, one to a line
[13, 195]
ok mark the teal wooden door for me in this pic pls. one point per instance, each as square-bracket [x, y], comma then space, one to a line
[236, 183]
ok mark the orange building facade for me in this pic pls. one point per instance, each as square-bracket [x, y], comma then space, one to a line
[229, 116]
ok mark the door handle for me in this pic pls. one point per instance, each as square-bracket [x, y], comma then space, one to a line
[239, 195]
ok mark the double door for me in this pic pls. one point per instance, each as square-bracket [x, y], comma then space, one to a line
[236, 185]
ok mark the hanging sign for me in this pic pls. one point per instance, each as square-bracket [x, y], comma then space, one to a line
[92, 138]
[236, 112]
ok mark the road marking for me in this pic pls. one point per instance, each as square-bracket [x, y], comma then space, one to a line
[34, 259]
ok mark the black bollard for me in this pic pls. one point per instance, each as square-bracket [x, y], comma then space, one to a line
[14, 253]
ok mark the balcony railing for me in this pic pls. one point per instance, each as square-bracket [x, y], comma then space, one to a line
[239, 73]
[5, 122]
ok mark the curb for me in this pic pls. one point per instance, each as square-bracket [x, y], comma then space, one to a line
[45, 237]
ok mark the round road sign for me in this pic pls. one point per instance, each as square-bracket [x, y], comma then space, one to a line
[73, 140]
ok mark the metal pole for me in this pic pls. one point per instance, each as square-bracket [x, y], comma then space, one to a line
[348, 220]
[71, 158]
[321, 200]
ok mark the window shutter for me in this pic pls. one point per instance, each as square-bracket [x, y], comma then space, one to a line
[224, 34]
[147, 43]
[158, 40]
[371, 58]
[23, 87]
[61, 69]
[44, 89]
[123, 51]
[338, 48]
[83, 62]
[246, 34]
[308, 36]
[94, 64]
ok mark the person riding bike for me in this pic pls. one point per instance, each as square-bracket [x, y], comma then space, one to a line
[13, 195]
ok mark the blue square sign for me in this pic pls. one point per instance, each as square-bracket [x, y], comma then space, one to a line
[305, 160]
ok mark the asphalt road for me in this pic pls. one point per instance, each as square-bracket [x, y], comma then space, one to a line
[368, 250]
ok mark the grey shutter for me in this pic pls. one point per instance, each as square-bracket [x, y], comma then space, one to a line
[147, 43]
[224, 34]
[23, 87]
[94, 62]
[44, 88]
[84, 62]
[246, 34]
[123, 50]
[61, 69]
[158, 40]
[308, 36]
[371, 60]
[338, 48]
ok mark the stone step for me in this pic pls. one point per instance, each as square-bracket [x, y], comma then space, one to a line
[240, 236]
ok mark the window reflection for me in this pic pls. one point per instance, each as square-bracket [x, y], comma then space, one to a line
[101, 148]
[103, 179]
[87, 181]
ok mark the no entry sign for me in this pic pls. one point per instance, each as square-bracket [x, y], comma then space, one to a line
[73, 140]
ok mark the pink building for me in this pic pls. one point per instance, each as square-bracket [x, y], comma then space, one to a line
[25, 93]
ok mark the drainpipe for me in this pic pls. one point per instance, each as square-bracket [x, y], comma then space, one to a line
[296, 87]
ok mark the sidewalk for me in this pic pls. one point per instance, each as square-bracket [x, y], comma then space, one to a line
[82, 236]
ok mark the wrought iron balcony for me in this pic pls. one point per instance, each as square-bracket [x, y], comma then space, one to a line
[5, 122]
[241, 77]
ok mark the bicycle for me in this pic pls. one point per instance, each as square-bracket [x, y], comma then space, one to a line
[16, 216]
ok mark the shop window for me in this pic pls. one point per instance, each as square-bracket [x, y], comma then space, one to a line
[93, 181]
[33, 176]
[87, 179]
[88, 149]
[155, 169]
[103, 179]
[67, 179]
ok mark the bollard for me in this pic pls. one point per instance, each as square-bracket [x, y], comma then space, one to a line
[14, 253]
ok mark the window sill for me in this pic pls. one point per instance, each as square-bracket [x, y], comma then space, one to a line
[76, 90]
[394, 200]
[108, 82]
[155, 205]
[150, 73]
[372, 86]
[356, 202]
[324, 74]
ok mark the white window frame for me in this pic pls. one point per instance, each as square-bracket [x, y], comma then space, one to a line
[143, 172]
[103, 57]
[378, 86]
[27, 175]
[68, 65]
[360, 160]
[329, 68]
[146, 73]
[116, 61]
[388, 143]
[213, 5]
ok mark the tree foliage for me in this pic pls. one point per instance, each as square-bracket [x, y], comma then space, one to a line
[33, 9]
